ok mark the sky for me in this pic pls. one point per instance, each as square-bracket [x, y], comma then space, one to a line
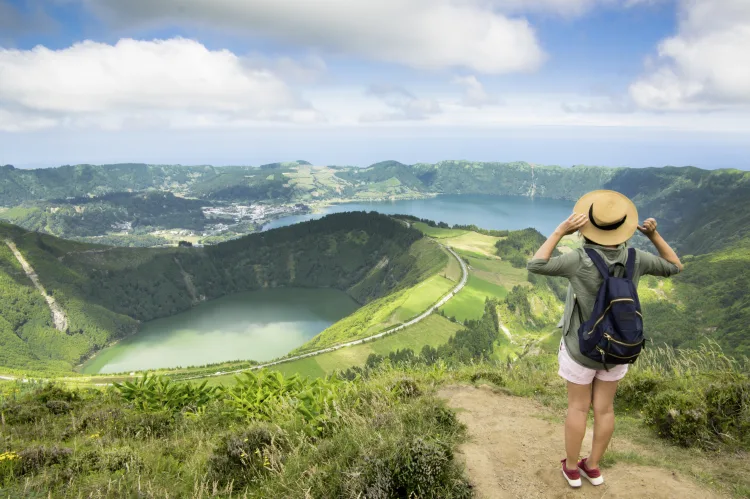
[352, 82]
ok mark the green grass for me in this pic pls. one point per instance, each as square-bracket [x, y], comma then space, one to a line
[498, 272]
[469, 302]
[475, 243]
[434, 330]
[269, 437]
[453, 270]
[422, 296]
[437, 232]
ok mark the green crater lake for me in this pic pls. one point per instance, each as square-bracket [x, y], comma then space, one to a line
[257, 325]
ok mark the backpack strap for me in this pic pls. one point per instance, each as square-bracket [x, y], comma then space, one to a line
[599, 262]
[630, 266]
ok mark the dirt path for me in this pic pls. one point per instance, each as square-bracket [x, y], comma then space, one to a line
[58, 314]
[513, 453]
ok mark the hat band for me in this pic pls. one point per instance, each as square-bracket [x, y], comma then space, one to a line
[613, 226]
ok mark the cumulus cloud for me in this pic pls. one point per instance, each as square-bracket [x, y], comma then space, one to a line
[426, 34]
[403, 105]
[474, 93]
[175, 82]
[706, 65]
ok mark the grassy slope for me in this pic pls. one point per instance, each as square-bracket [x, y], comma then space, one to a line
[469, 302]
[474, 242]
[707, 301]
[394, 308]
[437, 232]
[489, 277]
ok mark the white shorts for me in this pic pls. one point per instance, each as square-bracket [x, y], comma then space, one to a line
[572, 371]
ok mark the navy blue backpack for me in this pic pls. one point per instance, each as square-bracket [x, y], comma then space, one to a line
[614, 333]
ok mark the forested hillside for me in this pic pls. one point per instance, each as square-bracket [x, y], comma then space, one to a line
[698, 210]
[92, 216]
[511, 179]
[105, 290]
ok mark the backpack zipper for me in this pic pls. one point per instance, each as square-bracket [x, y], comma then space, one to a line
[607, 310]
[610, 338]
[613, 355]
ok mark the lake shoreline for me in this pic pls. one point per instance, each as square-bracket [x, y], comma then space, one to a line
[257, 324]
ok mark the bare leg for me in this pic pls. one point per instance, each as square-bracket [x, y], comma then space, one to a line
[579, 401]
[604, 419]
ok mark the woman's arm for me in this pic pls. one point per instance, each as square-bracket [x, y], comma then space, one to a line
[569, 226]
[565, 265]
[665, 251]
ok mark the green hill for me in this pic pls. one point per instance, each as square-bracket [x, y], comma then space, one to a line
[708, 301]
[389, 176]
[698, 210]
[105, 291]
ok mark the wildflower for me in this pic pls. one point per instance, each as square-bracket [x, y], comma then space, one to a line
[95, 435]
[8, 456]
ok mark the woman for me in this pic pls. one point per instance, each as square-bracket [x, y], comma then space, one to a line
[606, 219]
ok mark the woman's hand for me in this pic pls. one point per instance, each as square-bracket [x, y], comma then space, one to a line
[648, 228]
[572, 224]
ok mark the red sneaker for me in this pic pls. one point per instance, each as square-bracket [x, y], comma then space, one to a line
[572, 476]
[593, 475]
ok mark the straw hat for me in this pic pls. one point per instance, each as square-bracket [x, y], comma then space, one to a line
[613, 218]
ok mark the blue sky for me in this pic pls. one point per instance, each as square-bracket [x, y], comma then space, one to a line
[613, 82]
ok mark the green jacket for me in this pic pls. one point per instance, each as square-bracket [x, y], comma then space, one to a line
[585, 281]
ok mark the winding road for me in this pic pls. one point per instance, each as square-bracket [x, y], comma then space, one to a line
[421, 317]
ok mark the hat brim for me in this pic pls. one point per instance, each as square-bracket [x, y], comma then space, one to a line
[607, 237]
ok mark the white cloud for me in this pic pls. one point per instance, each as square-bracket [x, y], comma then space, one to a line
[176, 83]
[424, 34]
[308, 70]
[474, 93]
[706, 66]
[565, 8]
[402, 104]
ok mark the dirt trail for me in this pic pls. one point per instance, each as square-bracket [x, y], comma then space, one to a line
[58, 314]
[512, 453]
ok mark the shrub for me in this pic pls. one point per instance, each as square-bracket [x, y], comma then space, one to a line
[24, 412]
[493, 377]
[728, 411]
[120, 458]
[111, 460]
[33, 459]
[637, 388]
[680, 417]
[421, 468]
[142, 425]
[53, 391]
[58, 406]
[405, 388]
[241, 458]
